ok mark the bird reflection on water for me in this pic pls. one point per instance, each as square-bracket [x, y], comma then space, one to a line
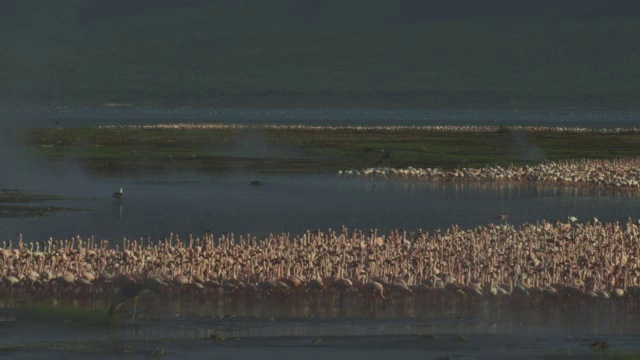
[129, 293]
[118, 210]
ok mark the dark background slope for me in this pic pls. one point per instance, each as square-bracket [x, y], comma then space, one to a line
[309, 53]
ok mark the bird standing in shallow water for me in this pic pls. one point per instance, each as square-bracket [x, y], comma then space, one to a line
[129, 293]
[117, 194]
[504, 217]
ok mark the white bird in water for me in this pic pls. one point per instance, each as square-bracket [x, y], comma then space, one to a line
[573, 219]
[117, 194]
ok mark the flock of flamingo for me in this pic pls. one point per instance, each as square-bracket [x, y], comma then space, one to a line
[386, 128]
[617, 174]
[545, 261]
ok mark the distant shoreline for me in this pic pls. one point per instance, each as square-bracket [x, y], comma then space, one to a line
[89, 116]
[24, 107]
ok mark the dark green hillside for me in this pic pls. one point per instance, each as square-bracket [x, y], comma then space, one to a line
[286, 53]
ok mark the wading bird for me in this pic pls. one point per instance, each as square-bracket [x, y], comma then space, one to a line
[117, 194]
[129, 293]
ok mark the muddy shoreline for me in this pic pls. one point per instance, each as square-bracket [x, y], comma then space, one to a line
[10, 198]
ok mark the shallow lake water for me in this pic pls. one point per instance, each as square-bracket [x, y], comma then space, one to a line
[185, 330]
[295, 204]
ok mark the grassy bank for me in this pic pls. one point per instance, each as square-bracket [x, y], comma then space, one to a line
[269, 150]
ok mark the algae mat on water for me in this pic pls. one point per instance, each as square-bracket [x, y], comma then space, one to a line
[112, 151]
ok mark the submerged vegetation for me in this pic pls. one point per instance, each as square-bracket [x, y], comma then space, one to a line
[110, 151]
[60, 314]
[9, 199]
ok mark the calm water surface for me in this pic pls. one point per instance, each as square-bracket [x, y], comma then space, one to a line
[269, 331]
[297, 203]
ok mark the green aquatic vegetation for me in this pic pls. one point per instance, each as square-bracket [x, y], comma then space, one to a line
[61, 314]
[117, 143]
[107, 151]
